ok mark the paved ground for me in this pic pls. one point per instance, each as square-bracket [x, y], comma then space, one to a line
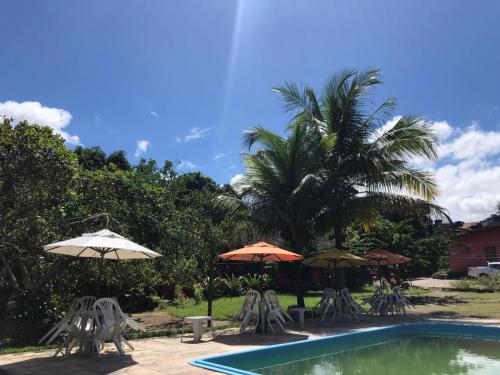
[429, 283]
[168, 355]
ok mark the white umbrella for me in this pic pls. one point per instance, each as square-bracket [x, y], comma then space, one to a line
[104, 245]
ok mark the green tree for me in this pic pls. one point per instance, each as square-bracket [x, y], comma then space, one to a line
[408, 235]
[36, 175]
[279, 187]
[91, 158]
[119, 159]
[368, 168]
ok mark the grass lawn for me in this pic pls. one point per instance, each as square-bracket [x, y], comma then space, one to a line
[451, 304]
[225, 308]
[429, 303]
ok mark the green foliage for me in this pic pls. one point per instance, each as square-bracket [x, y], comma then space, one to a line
[233, 285]
[119, 159]
[253, 281]
[414, 237]
[91, 158]
[464, 283]
[480, 283]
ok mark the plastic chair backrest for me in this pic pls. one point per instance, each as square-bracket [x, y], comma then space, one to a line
[107, 312]
[86, 303]
[254, 297]
[271, 296]
[73, 309]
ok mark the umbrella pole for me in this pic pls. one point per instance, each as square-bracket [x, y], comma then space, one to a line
[99, 282]
[261, 268]
[379, 274]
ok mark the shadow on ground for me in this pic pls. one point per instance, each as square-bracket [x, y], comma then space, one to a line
[442, 301]
[74, 364]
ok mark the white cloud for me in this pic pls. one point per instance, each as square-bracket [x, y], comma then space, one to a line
[186, 165]
[468, 172]
[472, 143]
[220, 155]
[469, 189]
[194, 133]
[236, 178]
[142, 147]
[36, 113]
[154, 114]
[442, 129]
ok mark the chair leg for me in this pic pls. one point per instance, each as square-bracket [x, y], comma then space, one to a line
[70, 346]
[183, 324]
[122, 338]
[212, 329]
[281, 325]
[118, 345]
[98, 346]
[270, 325]
[65, 343]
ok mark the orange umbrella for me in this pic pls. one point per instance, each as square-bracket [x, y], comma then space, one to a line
[261, 252]
[380, 257]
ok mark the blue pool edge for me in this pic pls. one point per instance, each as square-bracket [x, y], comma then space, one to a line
[436, 329]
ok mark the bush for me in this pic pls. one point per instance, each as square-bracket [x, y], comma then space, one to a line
[233, 285]
[441, 274]
[180, 298]
[480, 283]
[198, 293]
[254, 281]
[489, 282]
[463, 284]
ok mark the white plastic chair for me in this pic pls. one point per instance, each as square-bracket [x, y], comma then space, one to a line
[128, 320]
[328, 303]
[60, 326]
[400, 301]
[249, 310]
[247, 302]
[271, 297]
[350, 307]
[273, 314]
[109, 322]
[78, 327]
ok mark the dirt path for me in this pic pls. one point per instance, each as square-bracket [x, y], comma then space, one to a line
[428, 283]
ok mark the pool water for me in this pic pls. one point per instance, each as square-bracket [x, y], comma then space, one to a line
[412, 355]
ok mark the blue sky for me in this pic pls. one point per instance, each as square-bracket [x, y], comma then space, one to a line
[187, 77]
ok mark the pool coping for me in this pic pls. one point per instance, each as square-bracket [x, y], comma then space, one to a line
[415, 329]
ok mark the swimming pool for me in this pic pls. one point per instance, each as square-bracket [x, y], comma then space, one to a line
[416, 348]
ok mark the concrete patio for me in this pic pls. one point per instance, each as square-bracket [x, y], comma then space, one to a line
[169, 355]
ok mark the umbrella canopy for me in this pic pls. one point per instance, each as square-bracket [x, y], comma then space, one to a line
[334, 258]
[103, 244]
[379, 257]
[261, 252]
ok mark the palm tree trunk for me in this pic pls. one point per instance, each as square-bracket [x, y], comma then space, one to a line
[339, 242]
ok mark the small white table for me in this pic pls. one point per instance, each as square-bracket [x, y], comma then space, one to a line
[197, 322]
[300, 311]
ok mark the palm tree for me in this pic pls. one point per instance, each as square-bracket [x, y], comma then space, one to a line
[279, 186]
[368, 167]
